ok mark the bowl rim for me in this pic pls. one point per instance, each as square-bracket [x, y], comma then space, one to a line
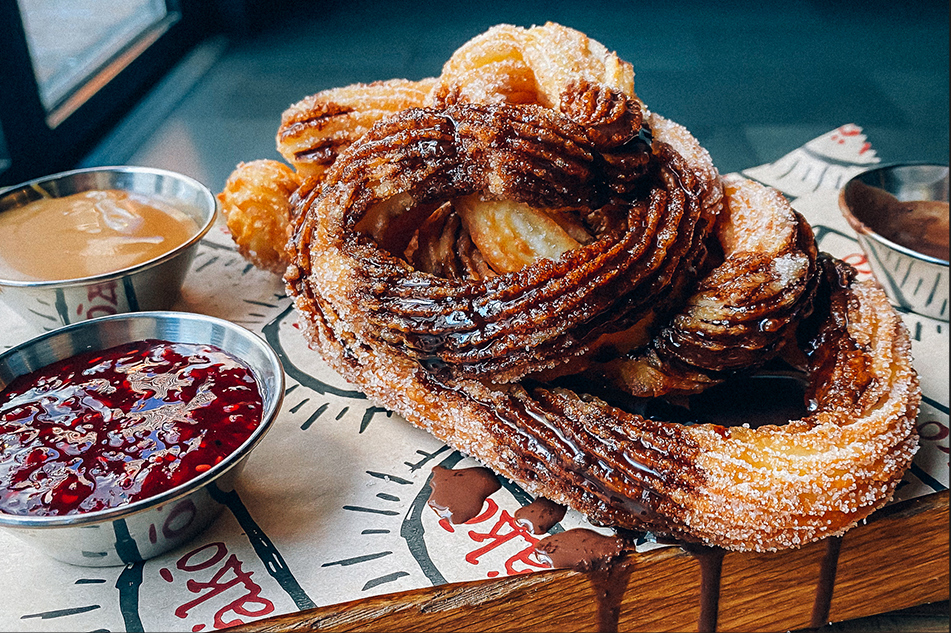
[268, 417]
[122, 272]
[870, 233]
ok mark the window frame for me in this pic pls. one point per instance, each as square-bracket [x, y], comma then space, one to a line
[34, 142]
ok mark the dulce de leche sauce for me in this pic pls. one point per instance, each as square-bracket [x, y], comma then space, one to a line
[88, 233]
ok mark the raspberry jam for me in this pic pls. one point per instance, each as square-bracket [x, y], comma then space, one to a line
[110, 427]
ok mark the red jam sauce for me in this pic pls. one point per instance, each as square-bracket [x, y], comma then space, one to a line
[110, 427]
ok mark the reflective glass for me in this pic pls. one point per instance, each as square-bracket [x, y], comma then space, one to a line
[70, 41]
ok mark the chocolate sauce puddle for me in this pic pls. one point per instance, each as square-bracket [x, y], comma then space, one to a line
[540, 515]
[578, 548]
[588, 551]
[458, 494]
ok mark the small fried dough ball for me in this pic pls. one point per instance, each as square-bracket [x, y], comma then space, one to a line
[256, 205]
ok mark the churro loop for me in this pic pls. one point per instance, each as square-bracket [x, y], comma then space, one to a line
[405, 336]
[354, 234]
[743, 311]
[758, 489]
[466, 248]
[316, 129]
[552, 66]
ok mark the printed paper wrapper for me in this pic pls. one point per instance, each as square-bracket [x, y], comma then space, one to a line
[332, 505]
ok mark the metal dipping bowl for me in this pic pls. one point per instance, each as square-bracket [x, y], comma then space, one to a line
[915, 281]
[152, 285]
[146, 528]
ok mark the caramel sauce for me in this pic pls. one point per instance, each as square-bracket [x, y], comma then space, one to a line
[88, 233]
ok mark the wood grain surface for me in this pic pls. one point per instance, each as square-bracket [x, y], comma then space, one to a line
[896, 560]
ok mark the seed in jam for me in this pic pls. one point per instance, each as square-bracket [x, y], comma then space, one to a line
[106, 428]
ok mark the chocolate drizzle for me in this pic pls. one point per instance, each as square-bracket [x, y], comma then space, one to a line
[711, 566]
[458, 495]
[588, 551]
[826, 583]
[610, 583]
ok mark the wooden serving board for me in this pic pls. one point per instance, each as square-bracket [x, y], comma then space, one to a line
[895, 560]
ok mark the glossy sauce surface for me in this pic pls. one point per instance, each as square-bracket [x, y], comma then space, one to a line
[105, 428]
[458, 495]
[921, 225]
[540, 515]
[578, 548]
[91, 233]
